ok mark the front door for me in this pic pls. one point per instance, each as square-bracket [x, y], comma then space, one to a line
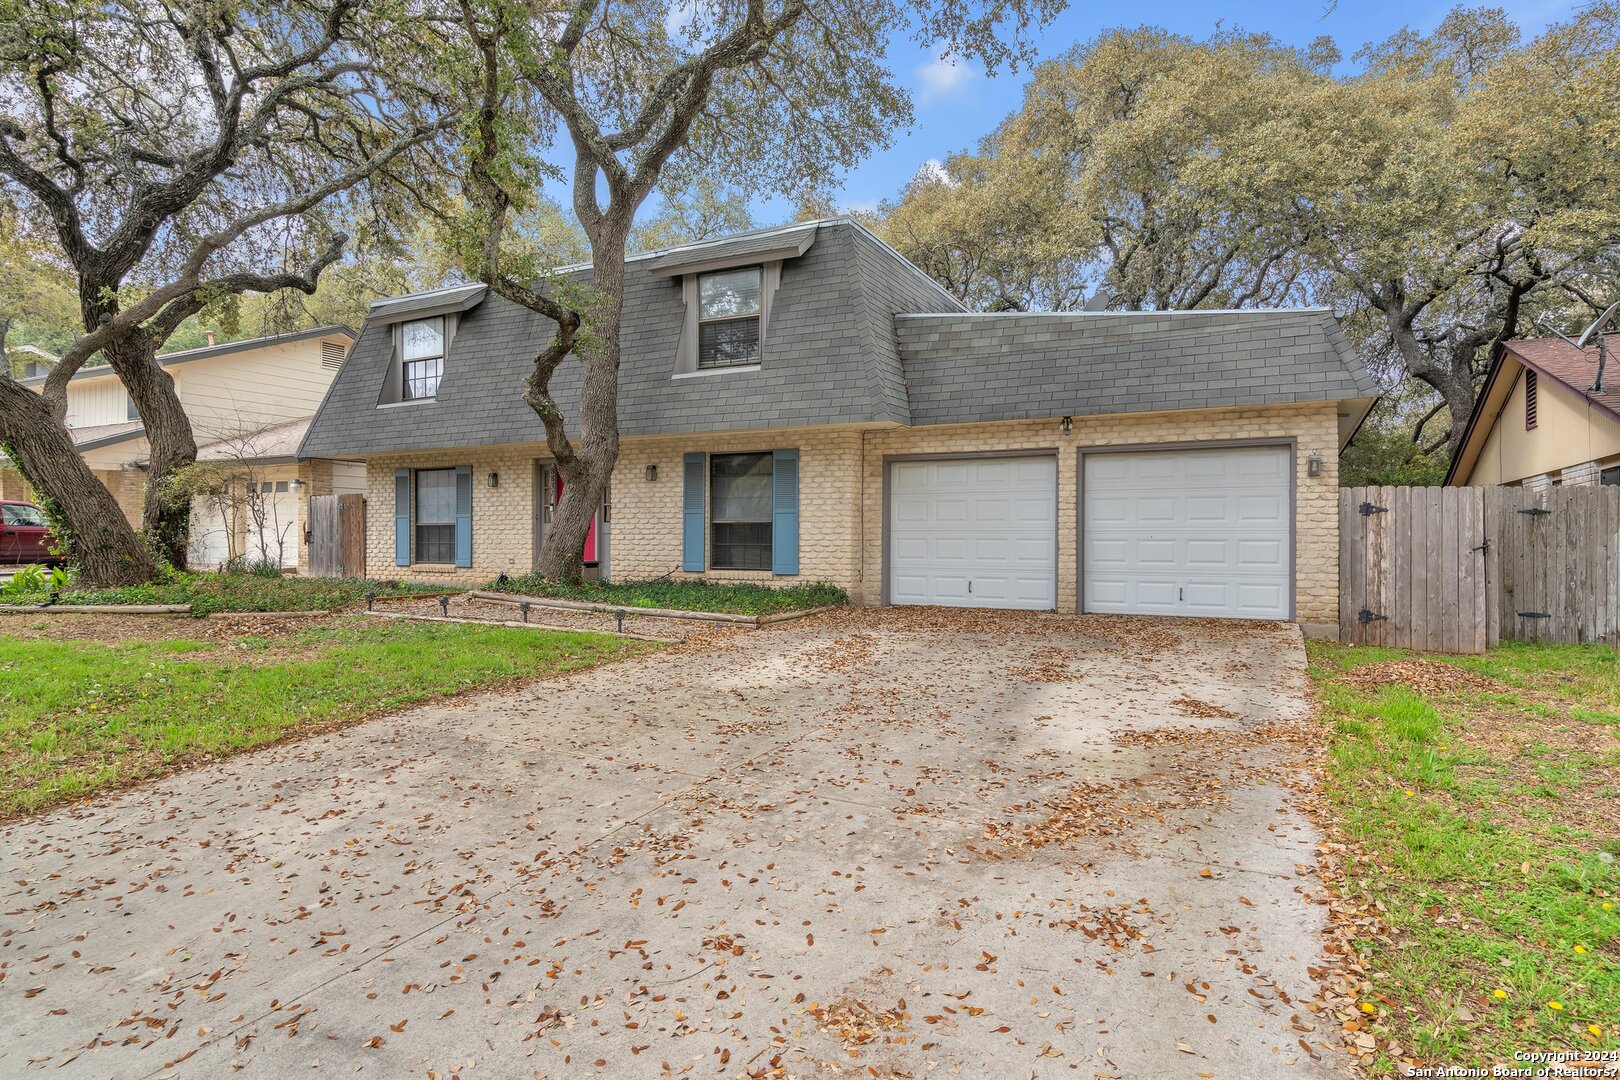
[549, 489]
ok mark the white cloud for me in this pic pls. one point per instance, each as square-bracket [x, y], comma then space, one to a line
[941, 79]
[933, 171]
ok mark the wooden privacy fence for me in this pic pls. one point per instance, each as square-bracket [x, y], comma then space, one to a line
[1460, 569]
[337, 536]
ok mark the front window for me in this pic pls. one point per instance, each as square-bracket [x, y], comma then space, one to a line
[740, 511]
[130, 411]
[436, 515]
[728, 318]
[1610, 477]
[423, 349]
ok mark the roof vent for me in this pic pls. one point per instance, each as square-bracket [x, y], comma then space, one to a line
[332, 354]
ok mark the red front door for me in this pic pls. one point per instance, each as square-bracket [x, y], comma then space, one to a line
[589, 556]
[25, 534]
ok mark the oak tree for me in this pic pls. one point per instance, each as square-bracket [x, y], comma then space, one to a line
[754, 95]
[173, 155]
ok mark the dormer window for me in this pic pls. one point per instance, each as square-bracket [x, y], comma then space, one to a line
[422, 348]
[728, 318]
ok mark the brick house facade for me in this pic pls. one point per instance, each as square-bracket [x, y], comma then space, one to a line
[857, 365]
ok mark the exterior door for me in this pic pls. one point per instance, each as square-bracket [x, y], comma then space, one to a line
[548, 491]
[974, 532]
[1189, 532]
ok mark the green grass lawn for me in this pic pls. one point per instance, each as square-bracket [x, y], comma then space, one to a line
[81, 716]
[1489, 814]
[208, 593]
[739, 598]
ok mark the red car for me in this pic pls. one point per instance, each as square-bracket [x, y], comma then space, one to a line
[25, 535]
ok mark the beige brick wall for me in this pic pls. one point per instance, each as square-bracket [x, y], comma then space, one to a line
[1316, 557]
[841, 495]
[647, 514]
[503, 516]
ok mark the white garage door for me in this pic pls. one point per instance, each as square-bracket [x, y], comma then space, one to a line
[1189, 532]
[974, 532]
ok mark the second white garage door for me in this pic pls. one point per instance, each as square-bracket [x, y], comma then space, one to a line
[974, 532]
[1189, 532]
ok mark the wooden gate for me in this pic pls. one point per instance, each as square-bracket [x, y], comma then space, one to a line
[1412, 568]
[337, 536]
[1557, 564]
[1461, 569]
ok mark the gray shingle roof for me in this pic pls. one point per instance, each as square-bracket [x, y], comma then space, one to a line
[965, 368]
[829, 357]
[836, 352]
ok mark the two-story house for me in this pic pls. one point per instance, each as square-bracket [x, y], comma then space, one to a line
[249, 403]
[803, 404]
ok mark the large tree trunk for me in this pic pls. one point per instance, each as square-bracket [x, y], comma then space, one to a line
[586, 474]
[165, 517]
[87, 518]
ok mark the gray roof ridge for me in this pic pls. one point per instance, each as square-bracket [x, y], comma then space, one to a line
[1135, 313]
[910, 266]
[869, 325]
[446, 289]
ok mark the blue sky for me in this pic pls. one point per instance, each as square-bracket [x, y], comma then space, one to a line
[955, 107]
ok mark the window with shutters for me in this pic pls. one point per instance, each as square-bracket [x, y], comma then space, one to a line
[1529, 400]
[728, 318]
[740, 511]
[436, 515]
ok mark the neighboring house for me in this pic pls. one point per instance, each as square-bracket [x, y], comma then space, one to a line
[1538, 423]
[801, 404]
[248, 402]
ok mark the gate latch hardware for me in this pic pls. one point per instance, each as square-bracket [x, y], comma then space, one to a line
[1535, 615]
[1364, 617]
[1536, 511]
[1368, 509]
[1485, 547]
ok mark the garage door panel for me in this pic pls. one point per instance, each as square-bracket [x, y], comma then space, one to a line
[1261, 554]
[1190, 532]
[980, 533]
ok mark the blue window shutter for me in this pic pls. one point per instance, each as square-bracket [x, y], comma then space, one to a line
[463, 515]
[402, 517]
[692, 505]
[785, 512]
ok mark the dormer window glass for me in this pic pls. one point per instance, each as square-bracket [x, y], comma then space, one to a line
[728, 318]
[422, 346]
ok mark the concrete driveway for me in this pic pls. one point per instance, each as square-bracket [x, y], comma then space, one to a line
[891, 844]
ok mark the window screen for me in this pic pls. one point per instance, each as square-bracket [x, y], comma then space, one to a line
[436, 515]
[728, 318]
[740, 511]
[423, 349]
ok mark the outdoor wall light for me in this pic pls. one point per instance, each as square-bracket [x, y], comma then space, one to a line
[1068, 426]
[494, 479]
[652, 473]
[1313, 465]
